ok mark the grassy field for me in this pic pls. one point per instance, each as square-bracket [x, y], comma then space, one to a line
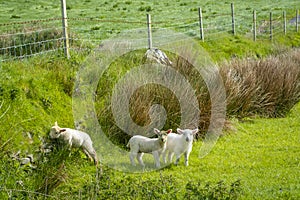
[181, 15]
[132, 9]
[257, 158]
[92, 21]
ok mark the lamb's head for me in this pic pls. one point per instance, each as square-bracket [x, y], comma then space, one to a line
[188, 134]
[162, 135]
[56, 131]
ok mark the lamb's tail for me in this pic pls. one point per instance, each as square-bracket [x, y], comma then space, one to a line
[128, 145]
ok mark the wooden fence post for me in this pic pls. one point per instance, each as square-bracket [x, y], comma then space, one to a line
[254, 25]
[65, 28]
[201, 24]
[149, 31]
[232, 19]
[284, 22]
[297, 20]
[271, 27]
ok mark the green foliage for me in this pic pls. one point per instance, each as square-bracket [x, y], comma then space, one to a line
[110, 184]
[31, 42]
[209, 191]
[244, 155]
[262, 153]
[145, 8]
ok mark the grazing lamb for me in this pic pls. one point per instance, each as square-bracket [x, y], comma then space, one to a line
[139, 145]
[75, 138]
[179, 144]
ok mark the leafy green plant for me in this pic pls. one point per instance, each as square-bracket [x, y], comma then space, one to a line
[209, 191]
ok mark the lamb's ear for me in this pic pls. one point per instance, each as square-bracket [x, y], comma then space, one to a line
[156, 131]
[62, 130]
[169, 131]
[55, 124]
[195, 131]
[179, 131]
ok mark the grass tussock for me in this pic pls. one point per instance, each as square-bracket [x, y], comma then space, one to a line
[267, 87]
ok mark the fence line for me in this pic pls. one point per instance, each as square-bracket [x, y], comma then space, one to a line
[29, 38]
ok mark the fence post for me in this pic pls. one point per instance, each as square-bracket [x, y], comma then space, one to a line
[232, 19]
[201, 24]
[284, 22]
[254, 25]
[65, 28]
[297, 19]
[149, 31]
[271, 27]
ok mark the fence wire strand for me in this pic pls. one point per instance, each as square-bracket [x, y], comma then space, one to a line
[34, 37]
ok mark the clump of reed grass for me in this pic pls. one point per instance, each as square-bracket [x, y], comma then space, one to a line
[268, 87]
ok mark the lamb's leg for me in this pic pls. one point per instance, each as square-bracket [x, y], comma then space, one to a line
[186, 158]
[156, 158]
[70, 144]
[139, 157]
[87, 154]
[132, 157]
[94, 155]
[164, 156]
[170, 156]
[177, 159]
[91, 154]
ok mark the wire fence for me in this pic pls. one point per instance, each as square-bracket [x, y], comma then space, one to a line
[19, 40]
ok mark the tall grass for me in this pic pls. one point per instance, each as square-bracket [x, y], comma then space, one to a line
[268, 87]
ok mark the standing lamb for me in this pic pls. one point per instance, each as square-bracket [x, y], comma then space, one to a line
[75, 138]
[179, 144]
[139, 145]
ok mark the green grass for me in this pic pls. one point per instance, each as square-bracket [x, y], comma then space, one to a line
[24, 9]
[260, 160]
[181, 15]
[262, 154]
[92, 21]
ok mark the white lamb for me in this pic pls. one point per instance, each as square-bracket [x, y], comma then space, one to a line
[75, 138]
[139, 145]
[179, 144]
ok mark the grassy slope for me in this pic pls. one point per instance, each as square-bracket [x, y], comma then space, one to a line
[263, 153]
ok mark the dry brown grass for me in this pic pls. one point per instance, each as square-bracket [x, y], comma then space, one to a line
[269, 87]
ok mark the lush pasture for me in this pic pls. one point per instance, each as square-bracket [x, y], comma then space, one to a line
[180, 14]
[256, 158]
[134, 10]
